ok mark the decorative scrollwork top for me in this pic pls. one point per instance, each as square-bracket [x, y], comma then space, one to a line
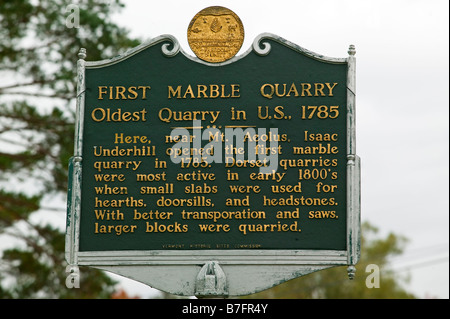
[261, 48]
[170, 50]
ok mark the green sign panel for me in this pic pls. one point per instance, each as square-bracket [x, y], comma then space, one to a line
[177, 154]
[135, 197]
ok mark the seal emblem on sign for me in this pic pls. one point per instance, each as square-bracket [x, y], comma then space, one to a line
[215, 34]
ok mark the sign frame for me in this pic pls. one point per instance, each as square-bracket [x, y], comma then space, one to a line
[215, 272]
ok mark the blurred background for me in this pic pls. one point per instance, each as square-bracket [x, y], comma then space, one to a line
[402, 52]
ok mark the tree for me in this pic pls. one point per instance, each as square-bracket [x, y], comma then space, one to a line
[39, 41]
[333, 283]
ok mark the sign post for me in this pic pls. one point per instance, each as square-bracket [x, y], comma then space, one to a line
[220, 175]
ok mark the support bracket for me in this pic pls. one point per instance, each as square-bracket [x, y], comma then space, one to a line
[211, 281]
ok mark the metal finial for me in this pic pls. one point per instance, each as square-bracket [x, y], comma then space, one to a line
[82, 53]
[351, 271]
[351, 50]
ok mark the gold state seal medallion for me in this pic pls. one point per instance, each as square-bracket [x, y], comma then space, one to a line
[215, 34]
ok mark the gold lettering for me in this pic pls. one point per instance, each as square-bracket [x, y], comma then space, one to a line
[189, 91]
[100, 114]
[211, 91]
[118, 229]
[143, 90]
[292, 89]
[223, 92]
[265, 93]
[214, 88]
[132, 91]
[318, 87]
[330, 88]
[101, 92]
[305, 88]
[235, 89]
[319, 137]
[268, 90]
[122, 92]
[278, 93]
[120, 139]
[173, 92]
[201, 89]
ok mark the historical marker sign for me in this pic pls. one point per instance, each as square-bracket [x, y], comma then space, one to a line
[215, 178]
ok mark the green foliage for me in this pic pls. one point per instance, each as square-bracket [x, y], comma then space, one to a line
[333, 283]
[16, 206]
[46, 141]
[38, 55]
[37, 270]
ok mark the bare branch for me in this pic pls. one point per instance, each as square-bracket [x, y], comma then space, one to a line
[16, 85]
[59, 96]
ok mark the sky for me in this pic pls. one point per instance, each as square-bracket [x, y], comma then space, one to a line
[402, 105]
